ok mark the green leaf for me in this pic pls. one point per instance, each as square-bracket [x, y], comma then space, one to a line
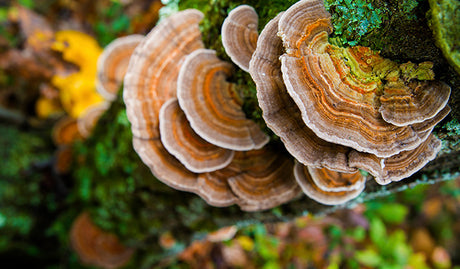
[418, 260]
[368, 257]
[27, 3]
[271, 265]
[399, 250]
[359, 233]
[392, 213]
[3, 14]
[378, 233]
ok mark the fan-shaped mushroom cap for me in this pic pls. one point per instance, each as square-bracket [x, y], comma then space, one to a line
[89, 118]
[112, 65]
[63, 157]
[398, 166]
[267, 179]
[223, 234]
[338, 90]
[164, 166]
[151, 80]
[333, 181]
[280, 112]
[313, 191]
[96, 247]
[255, 180]
[196, 154]
[213, 187]
[239, 35]
[403, 105]
[65, 131]
[212, 104]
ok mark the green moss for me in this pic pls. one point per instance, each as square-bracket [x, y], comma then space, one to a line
[108, 173]
[354, 19]
[445, 22]
[396, 28]
[25, 202]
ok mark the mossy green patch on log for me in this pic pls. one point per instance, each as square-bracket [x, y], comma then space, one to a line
[444, 18]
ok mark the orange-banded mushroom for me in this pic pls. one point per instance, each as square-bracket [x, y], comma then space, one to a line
[338, 90]
[88, 120]
[333, 181]
[267, 179]
[280, 112]
[151, 80]
[329, 195]
[239, 35]
[62, 159]
[196, 154]
[212, 104]
[151, 77]
[255, 180]
[96, 247]
[283, 117]
[397, 167]
[213, 187]
[65, 131]
[164, 166]
[112, 65]
[403, 105]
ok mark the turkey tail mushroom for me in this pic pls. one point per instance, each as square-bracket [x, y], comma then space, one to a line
[196, 154]
[96, 247]
[112, 65]
[338, 90]
[150, 81]
[239, 35]
[212, 104]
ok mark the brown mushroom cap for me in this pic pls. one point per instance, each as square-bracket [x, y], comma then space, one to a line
[63, 157]
[196, 154]
[313, 191]
[280, 112]
[88, 120]
[96, 247]
[267, 181]
[212, 104]
[333, 181]
[164, 166]
[239, 35]
[255, 180]
[65, 131]
[112, 65]
[151, 80]
[223, 234]
[339, 106]
[397, 167]
[403, 105]
[213, 187]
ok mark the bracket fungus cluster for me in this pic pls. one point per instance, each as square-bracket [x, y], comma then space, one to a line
[188, 124]
[344, 108]
[336, 110]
